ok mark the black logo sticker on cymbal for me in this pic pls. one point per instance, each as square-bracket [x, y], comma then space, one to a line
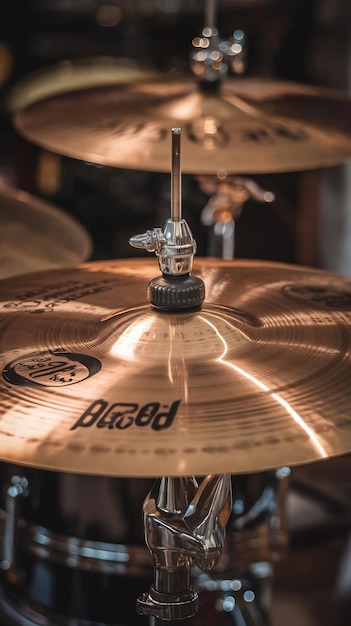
[319, 297]
[52, 368]
[122, 415]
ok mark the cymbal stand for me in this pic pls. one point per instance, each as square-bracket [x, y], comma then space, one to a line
[183, 522]
[178, 526]
[228, 195]
[210, 60]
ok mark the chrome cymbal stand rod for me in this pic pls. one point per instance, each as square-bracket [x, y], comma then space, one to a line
[176, 190]
[175, 248]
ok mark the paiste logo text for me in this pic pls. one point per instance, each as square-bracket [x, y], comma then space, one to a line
[122, 415]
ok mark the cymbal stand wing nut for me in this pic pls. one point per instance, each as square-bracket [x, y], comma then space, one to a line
[174, 246]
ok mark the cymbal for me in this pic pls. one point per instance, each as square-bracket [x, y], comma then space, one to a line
[251, 126]
[74, 74]
[36, 235]
[94, 380]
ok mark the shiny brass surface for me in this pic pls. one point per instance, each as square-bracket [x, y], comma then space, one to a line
[72, 75]
[250, 126]
[36, 235]
[94, 380]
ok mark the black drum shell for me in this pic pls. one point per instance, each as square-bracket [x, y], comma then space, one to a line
[81, 553]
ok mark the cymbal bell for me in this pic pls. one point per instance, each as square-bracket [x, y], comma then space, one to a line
[96, 381]
[250, 126]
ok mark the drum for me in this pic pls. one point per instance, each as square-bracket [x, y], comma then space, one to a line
[73, 548]
[74, 551]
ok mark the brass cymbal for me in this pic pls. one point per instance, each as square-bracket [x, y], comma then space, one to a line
[36, 235]
[74, 74]
[250, 126]
[94, 380]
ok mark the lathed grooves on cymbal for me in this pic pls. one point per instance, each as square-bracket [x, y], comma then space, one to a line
[95, 380]
[249, 126]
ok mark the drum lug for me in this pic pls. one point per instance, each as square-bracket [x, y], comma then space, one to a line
[16, 491]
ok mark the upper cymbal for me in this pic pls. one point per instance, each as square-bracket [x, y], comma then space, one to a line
[251, 126]
[96, 381]
[74, 74]
[36, 235]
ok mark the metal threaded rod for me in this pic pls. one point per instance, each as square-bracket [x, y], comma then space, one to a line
[176, 191]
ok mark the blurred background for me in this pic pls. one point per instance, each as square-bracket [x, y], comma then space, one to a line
[307, 41]
[308, 223]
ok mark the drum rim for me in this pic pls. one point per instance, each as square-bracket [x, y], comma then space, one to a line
[85, 554]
